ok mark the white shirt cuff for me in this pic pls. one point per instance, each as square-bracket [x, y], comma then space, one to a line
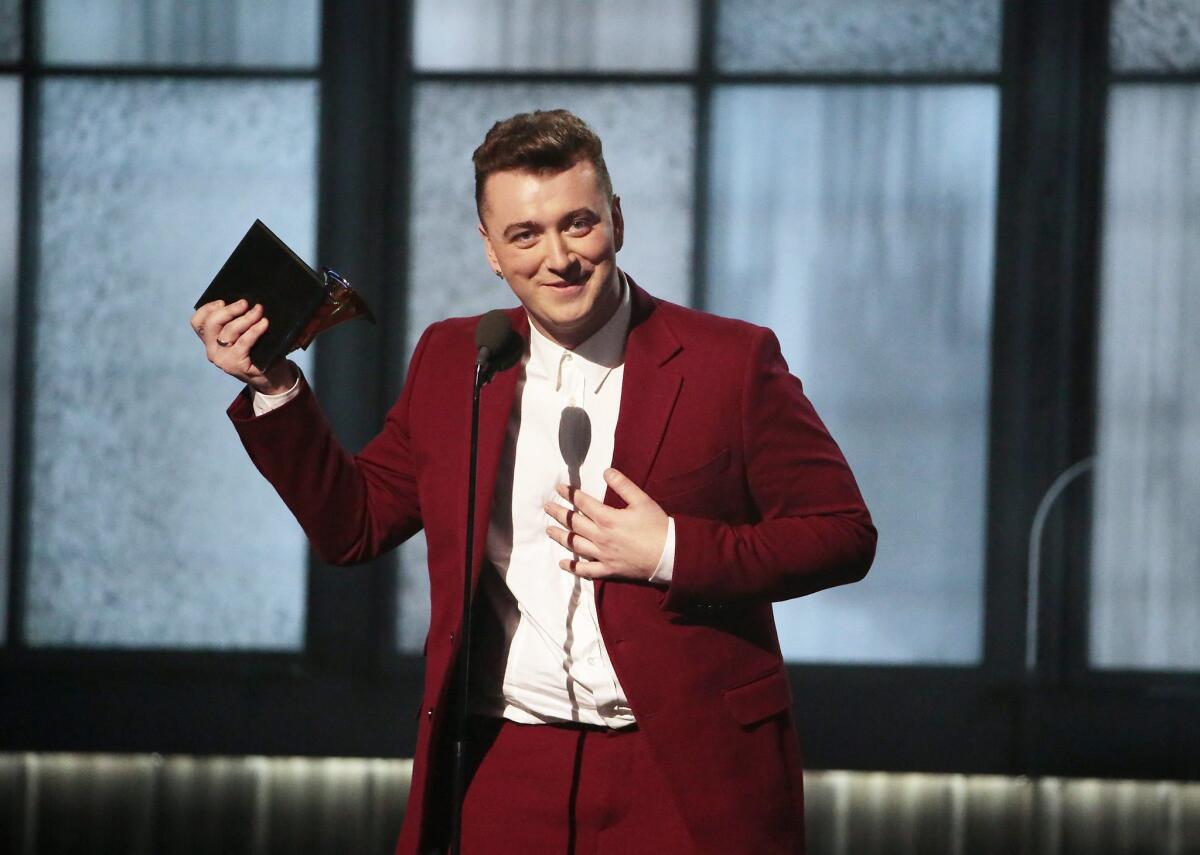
[265, 403]
[666, 561]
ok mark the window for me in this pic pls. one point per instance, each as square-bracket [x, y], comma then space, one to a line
[165, 33]
[145, 187]
[968, 222]
[1145, 588]
[857, 222]
[138, 521]
[10, 162]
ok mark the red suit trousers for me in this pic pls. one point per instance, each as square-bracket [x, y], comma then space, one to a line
[546, 789]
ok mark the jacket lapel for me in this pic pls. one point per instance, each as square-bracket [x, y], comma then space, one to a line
[648, 392]
[495, 407]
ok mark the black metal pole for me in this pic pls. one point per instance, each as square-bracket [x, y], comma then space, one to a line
[464, 633]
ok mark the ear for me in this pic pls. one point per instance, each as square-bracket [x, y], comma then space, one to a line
[618, 220]
[489, 250]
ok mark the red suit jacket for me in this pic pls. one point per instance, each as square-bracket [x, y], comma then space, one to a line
[712, 426]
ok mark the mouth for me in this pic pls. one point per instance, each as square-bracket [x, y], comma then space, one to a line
[564, 286]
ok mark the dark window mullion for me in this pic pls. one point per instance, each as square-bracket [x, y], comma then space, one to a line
[350, 610]
[1043, 302]
[1003, 588]
[704, 89]
[182, 72]
[28, 217]
[1158, 78]
[1090, 147]
[394, 346]
[706, 74]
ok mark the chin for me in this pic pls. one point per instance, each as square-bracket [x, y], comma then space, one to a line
[571, 315]
[566, 326]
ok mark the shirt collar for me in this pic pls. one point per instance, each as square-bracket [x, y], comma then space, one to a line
[596, 357]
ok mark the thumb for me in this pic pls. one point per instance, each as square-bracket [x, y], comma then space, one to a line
[624, 487]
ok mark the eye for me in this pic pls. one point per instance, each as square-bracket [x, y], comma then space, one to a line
[581, 226]
[522, 238]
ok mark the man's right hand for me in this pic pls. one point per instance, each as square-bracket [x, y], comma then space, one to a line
[228, 333]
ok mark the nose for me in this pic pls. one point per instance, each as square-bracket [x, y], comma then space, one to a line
[559, 259]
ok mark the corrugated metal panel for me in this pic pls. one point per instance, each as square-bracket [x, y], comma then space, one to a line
[129, 805]
[864, 813]
[150, 805]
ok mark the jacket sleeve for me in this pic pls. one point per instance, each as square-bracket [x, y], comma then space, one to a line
[352, 507]
[811, 529]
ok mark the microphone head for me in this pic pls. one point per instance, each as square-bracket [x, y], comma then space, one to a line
[495, 333]
[574, 437]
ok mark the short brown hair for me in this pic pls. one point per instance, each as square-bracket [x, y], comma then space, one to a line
[541, 141]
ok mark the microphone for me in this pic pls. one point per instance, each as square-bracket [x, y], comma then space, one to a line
[574, 440]
[499, 348]
[499, 345]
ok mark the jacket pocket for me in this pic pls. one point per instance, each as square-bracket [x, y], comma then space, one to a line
[759, 699]
[682, 482]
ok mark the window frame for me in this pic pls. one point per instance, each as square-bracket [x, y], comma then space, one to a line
[348, 692]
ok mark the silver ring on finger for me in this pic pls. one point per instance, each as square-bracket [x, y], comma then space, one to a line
[224, 343]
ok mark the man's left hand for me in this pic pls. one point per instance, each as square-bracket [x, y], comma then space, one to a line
[625, 543]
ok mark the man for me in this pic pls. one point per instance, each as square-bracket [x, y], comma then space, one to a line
[650, 479]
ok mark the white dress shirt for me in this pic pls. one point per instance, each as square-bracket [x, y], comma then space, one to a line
[539, 653]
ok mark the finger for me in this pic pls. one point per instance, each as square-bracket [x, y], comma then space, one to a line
[201, 315]
[220, 317]
[571, 519]
[623, 486]
[249, 338]
[585, 569]
[234, 329]
[573, 542]
[592, 508]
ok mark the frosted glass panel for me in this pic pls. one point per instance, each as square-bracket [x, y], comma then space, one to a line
[1155, 35]
[182, 32]
[1145, 587]
[859, 35]
[10, 30]
[617, 35]
[10, 166]
[412, 612]
[149, 525]
[649, 148]
[857, 222]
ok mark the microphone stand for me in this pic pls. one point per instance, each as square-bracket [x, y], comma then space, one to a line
[482, 375]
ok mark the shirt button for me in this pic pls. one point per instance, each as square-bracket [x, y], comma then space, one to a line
[591, 660]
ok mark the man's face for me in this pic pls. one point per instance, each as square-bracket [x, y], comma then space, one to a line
[555, 237]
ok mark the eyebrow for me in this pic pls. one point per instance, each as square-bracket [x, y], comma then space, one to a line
[577, 212]
[566, 218]
[528, 224]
